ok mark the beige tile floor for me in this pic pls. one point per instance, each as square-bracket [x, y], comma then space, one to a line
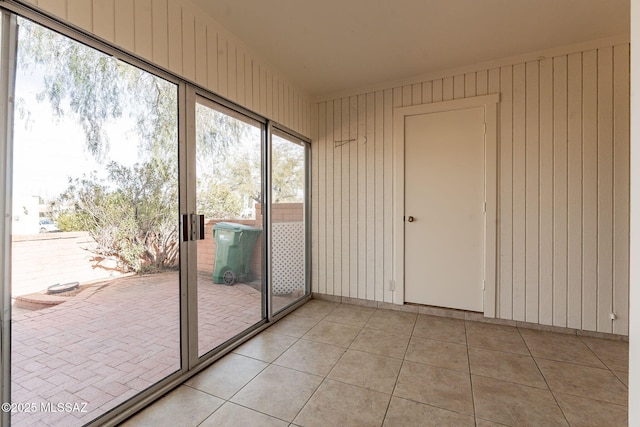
[330, 364]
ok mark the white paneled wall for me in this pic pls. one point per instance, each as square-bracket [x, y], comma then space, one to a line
[179, 37]
[563, 208]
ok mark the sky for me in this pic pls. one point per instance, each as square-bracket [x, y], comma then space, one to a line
[49, 149]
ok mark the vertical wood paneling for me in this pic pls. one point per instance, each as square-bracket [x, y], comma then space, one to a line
[174, 24]
[469, 85]
[188, 44]
[232, 70]
[278, 98]
[416, 96]
[406, 95]
[621, 189]
[81, 14]
[56, 7]
[248, 86]
[545, 252]
[574, 191]
[285, 111]
[124, 24]
[505, 289]
[307, 111]
[353, 196]
[437, 90]
[589, 189]
[293, 107]
[532, 190]
[391, 100]
[605, 190]
[370, 213]
[202, 76]
[104, 19]
[560, 173]
[223, 57]
[284, 98]
[494, 80]
[447, 88]
[142, 28]
[212, 58]
[458, 87]
[315, 211]
[361, 216]
[264, 104]
[270, 94]
[562, 187]
[427, 88]
[257, 95]
[380, 187]
[332, 221]
[337, 197]
[159, 33]
[482, 82]
[346, 197]
[296, 109]
[320, 199]
[519, 191]
[240, 79]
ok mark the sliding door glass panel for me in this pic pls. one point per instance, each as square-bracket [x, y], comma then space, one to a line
[95, 252]
[288, 228]
[229, 195]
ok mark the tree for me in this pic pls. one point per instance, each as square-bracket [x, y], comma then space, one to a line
[132, 216]
[287, 161]
[94, 88]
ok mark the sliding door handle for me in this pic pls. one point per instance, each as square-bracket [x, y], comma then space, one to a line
[197, 227]
[184, 226]
[192, 227]
[201, 226]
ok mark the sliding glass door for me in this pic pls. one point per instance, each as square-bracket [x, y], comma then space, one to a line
[229, 174]
[288, 219]
[95, 254]
[149, 226]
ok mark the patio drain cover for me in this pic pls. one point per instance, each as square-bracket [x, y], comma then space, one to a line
[64, 287]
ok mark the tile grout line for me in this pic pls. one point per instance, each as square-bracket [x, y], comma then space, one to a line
[603, 362]
[473, 400]
[324, 377]
[543, 377]
[238, 391]
[400, 370]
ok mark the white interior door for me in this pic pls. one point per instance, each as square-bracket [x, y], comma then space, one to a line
[444, 208]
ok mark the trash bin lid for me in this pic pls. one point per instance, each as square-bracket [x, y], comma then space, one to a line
[233, 226]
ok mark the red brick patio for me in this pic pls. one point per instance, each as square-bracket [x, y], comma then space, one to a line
[114, 340]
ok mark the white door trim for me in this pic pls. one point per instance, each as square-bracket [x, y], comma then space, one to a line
[490, 104]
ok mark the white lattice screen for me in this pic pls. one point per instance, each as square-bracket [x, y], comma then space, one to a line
[288, 257]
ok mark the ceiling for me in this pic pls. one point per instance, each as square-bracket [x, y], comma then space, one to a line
[330, 46]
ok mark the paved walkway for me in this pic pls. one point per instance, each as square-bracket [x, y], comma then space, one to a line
[114, 340]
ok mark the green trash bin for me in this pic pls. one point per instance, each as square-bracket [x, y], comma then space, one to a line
[234, 247]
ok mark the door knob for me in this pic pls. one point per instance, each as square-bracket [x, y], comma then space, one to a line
[410, 219]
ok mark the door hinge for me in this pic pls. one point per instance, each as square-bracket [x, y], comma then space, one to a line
[484, 207]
